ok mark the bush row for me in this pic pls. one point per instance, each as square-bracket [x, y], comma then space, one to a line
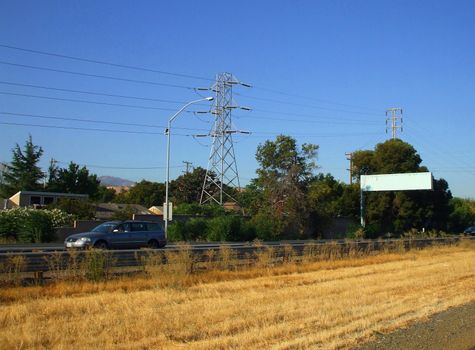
[220, 228]
[27, 225]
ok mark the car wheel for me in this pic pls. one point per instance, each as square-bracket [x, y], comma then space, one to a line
[101, 245]
[153, 244]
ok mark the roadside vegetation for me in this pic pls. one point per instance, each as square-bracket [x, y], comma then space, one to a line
[329, 297]
[288, 198]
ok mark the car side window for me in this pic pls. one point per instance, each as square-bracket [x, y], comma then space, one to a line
[153, 227]
[139, 226]
[123, 228]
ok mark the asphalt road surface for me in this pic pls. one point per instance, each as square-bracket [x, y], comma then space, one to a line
[453, 329]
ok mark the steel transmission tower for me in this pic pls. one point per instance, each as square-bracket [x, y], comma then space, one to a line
[222, 172]
[395, 119]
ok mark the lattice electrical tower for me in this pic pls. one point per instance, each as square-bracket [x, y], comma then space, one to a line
[395, 119]
[222, 172]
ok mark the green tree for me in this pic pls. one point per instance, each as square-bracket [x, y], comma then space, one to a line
[74, 179]
[462, 215]
[401, 211]
[105, 195]
[283, 175]
[23, 172]
[324, 200]
[79, 209]
[145, 193]
[186, 188]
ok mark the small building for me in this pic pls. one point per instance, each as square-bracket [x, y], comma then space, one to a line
[106, 211]
[156, 210]
[232, 206]
[35, 198]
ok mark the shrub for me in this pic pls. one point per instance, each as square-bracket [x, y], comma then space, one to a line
[31, 225]
[36, 228]
[224, 228]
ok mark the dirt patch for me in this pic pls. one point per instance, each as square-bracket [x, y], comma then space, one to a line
[453, 329]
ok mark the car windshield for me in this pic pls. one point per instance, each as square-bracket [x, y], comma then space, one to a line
[106, 227]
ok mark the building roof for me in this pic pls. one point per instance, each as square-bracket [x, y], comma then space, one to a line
[52, 194]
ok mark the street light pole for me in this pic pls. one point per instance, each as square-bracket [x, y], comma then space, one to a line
[168, 131]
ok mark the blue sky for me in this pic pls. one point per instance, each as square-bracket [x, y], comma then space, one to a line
[322, 71]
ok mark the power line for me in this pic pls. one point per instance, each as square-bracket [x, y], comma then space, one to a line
[88, 101]
[90, 92]
[94, 121]
[313, 117]
[105, 63]
[121, 167]
[90, 129]
[313, 98]
[335, 135]
[332, 120]
[151, 70]
[96, 75]
[305, 105]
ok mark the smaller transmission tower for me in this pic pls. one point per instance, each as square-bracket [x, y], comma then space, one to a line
[394, 121]
[222, 173]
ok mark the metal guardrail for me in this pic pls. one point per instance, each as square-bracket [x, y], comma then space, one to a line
[45, 261]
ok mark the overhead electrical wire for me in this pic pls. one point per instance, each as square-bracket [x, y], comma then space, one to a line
[96, 75]
[158, 133]
[320, 119]
[274, 91]
[91, 92]
[94, 121]
[104, 62]
[304, 105]
[314, 99]
[90, 129]
[121, 167]
[90, 102]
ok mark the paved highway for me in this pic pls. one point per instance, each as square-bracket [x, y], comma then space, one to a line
[39, 258]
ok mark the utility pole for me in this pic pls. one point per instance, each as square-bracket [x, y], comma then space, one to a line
[394, 116]
[188, 166]
[222, 172]
[349, 156]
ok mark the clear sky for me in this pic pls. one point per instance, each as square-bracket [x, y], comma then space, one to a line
[322, 71]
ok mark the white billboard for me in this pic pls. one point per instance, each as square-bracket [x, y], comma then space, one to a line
[396, 182]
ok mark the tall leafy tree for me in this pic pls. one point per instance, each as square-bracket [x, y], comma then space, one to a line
[73, 179]
[283, 175]
[145, 193]
[324, 198]
[186, 188]
[23, 172]
[400, 211]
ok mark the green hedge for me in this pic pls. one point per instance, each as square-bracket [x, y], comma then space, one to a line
[26, 225]
[221, 228]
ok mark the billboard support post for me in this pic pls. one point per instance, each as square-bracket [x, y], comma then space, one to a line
[362, 220]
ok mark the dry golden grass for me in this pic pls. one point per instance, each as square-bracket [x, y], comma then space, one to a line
[316, 305]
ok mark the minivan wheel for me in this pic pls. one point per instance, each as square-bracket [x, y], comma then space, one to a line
[153, 244]
[100, 245]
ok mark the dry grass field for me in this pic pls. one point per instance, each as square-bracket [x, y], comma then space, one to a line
[321, 305]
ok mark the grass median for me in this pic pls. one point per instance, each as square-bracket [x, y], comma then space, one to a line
[315, 303]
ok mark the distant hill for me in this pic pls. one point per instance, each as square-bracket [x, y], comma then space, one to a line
[115, 181]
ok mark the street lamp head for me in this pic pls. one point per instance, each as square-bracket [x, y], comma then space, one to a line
[211, 98]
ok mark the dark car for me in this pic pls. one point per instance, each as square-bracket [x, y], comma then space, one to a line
[470, 231]
[120, 235]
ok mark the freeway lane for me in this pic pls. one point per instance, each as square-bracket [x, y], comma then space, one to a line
[51, 247]
[42, 260]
